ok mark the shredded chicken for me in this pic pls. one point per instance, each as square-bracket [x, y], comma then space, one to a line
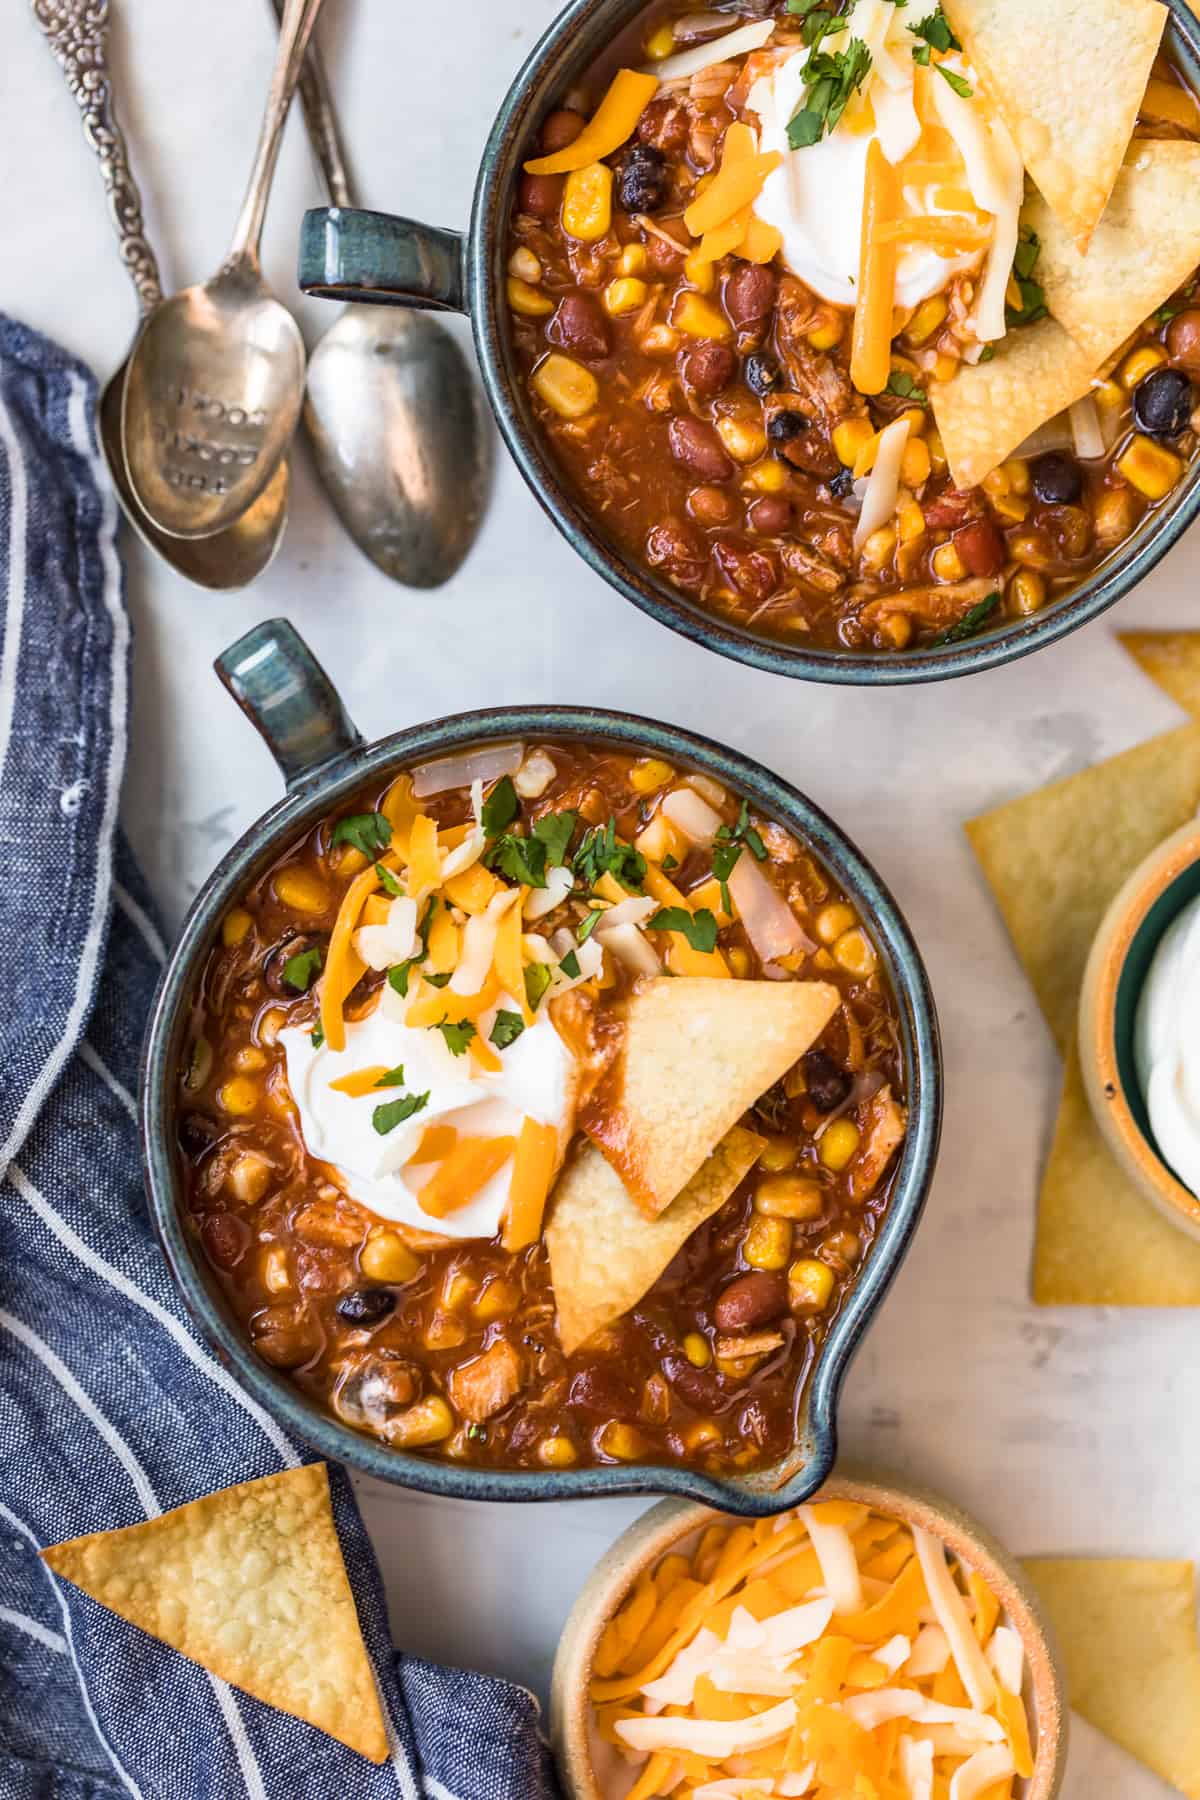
[940, 606]
[488, 1384]
[887, 1123]
[812, 374]
[813, 569]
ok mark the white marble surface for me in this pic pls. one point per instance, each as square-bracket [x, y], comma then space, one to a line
[1065, 1430]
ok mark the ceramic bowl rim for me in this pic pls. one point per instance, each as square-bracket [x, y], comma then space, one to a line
[651, 1536]
[255, 850]
[1121, 925]
[1115, 578]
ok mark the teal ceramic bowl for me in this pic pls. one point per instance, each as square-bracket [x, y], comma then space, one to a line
[323, 758]
[381, 259]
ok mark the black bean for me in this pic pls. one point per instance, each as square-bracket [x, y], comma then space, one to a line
[842, 485]
[762, 374]
[643, 181]
[1057, 479]
[366, 1306]
[828, 1085]
[196, 1133]
[1162, 403]
[785, 425]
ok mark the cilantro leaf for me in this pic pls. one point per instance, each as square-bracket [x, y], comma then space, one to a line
[555, 830]
[588, 926]
[439, 980]
[537, 980]
[921, 55]
[506, 1030]
[317, 1036]
[901, 383]
[959, 83]
[724, 858]
[987, 353]
[368, 833]
[385, 1118]
[522, 859]
[830, 78]
[457, 1033]
[393, 1077]
[800, 7]
[301, 970]
[700, 929]
[398, 974]
[1033, 297]
[599, 854]
[669, 864]
[969, 624]
[569, 964]
[501, 807]
[935, 30]
[390, 884]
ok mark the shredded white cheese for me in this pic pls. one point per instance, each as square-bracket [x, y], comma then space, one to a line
[981, 1771]
[883, 488]
[881, 1705]
[715, 1739]
[996, 178]
[835, 1553]
[951, 1612]
[705, 56]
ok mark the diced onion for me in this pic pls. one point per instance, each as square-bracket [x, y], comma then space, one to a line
[708, 789]
[534, 775]
[882, 1705]
[916, 1767]
[883, 489]
[1085, 428]
[982, 1771]
[693, 815]
[540, 901]
[835, 1552]
[486, 765]
[771, 925]
[951, 1612]
[705, 56]
[715, 1739]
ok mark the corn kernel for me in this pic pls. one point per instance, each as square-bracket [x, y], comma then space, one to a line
[1139, 364]
[810, 1285]
[698, 317]
[529, 302]
[565, 385]
[945, 368]
[428, 1422]
[828, 334]
[234, 926]
[624, 296]
[444, 1332]
[768, 1242]
[777, 1154]
[704, 1436]
[1029, 548]
[557, 1453]
[851, 436]
[768, 476]
[623, 1442]
[897, 629]
[1150, 468]
[524, 264]
[386, 1257]
[270, 1024]
[299, 890]
[831, 921]
[996, 483]
[916, 419]
[700, 272]
[926, 320]
[1011, 507]
[1110, 394]
[1017, 470]
[660, 43]
[855, 953]
[249, 1060]
[649, 774]
[947, 564]
[696, 1349]
[499, 1300]
[915, 463]
[744, 441]
[739, 962]
[275, 1274]
[1027, 592]
[587, 203]
[937, 452]
[659, 340]
[457, 1288]
[789, 1197]
[840, 1247]
[879, 548]
[238, 1096]
[838, 1144]
[911, 521]
[632, 260]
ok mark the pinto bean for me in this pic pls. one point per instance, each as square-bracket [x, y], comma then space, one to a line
[664, 258]
[707, 368]
[750, 294]
[540, 195]
[771, 513]
[226, 1238]
[753, 573]
[695, 444]
[981, 546]
[711, 505]
[679, 553]
[1183, 340]
[579, 327]
[561, 128]
[753, 1299]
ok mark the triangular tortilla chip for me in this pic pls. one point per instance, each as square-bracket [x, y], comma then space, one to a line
[696, 1055]
[1067, 77]
[990, 408]
[1099, 1243]
[1054, 859]
[249, 1583]
[1127, 1633]
[1172, 659]
[605, 1254]
[1145, 246]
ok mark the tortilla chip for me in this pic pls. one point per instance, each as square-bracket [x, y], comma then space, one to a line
[605, 1254]
[1054, 859]
[1067, 77]
[1127, 1633]
[1099, 1243]
[990, 408]
[1146, 245]
[249, 1583]
[1172, 659]
[696, 1055]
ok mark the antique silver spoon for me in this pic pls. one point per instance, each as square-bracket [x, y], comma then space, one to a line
[393, 412]
[77, 32]
[215, 382]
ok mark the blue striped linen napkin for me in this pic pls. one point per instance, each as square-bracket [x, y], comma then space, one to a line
[111, 1408]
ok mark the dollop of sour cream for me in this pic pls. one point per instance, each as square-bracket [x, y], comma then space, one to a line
[1166, 1045]
[536, 1080]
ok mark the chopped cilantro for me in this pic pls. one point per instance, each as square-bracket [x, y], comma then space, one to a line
[570, 965]
[901, 383]
[301, 970]
[457, 1033]
[800, 7]
[369, 833]
[1033, 298]
[555, 831]
[437, 981]
[1169, 310]
[921, 55]
[724, 858]
[317, 1037]
[385, 1118]
[743, 833]
[537, 980]
[393, 1077]
[700, 929]
[506, 1030]
[501, 807]
[959, 83]
[588, 926]
[398, 974]
[830, 78]
[987, 353]
[669, 863]
[391, 885]
[969, 624]
[820, 25]
[477, 1433]
[936, 32]
[600, 854]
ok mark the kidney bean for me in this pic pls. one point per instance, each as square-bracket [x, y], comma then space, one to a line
[753, 1299]
[580, 327]
[1183, 340]
[711, 505]
[664, 123]
[750, 294]
[695, 444]
[981, 546]
[813, 454]
[540, 195]
[226, 1238]
[679, 553]
[948, 510]
[561, 128]
[665, 258]
[753, 573]
[603, 1390]
[772, 513]
[707, 368]
[702, 1389]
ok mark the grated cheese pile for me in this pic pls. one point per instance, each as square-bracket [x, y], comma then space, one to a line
[833, 1652]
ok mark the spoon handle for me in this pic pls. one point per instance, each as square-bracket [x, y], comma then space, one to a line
[316, 97]
[77, 33]
[298, 20]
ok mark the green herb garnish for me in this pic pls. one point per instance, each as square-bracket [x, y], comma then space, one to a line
[437, 981]
[830, 78]
[600, 854]
[1170, 309]
[393, 1078]
[506, 1030]
[391, 885]
[936, 32]
[588, 926]
[399, 972]
[901, 383]
[969, 624]
[457, 1033]
[959, 83]
[537, 980]
[1033, 297]
[317, 1035]
[385, 1118]
[555, 830]
[987, 353]
[669, 863]
[301, 970]
[368, 833]
[522, 859]
[700, 928]
[570, 965]
[501, 807]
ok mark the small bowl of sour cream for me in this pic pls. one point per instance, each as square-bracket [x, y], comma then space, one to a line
[1139, 1028]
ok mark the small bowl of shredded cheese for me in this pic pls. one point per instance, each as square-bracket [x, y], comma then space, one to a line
[874, 1644]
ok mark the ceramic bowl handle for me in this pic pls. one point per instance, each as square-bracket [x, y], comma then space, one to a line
[289, 699]
[351, 255]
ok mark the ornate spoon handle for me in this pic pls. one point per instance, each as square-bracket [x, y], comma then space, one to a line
[77, 32]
